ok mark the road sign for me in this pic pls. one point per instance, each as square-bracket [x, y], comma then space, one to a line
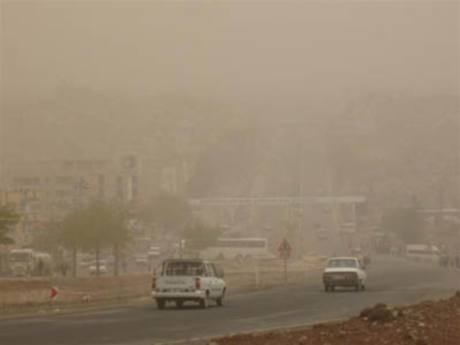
[285, 253]
[53, 293]
[284, 249]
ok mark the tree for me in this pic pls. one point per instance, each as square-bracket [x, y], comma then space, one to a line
[8, 219]
[91, 229]
[118, 231]
[199, 235]
[46, 238]
[70, 236]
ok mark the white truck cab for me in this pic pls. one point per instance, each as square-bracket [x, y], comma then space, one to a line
[184, 280]
[344, 272]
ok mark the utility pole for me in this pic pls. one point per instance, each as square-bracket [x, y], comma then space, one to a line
[301, 193]
[79, 187]
[2, 150]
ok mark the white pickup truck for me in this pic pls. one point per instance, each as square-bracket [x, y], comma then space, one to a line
[344, 271]
[184, 280]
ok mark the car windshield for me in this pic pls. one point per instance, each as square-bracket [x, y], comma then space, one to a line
[342, 263]
[184, 268]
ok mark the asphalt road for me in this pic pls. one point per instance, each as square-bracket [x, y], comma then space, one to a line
[390, 280]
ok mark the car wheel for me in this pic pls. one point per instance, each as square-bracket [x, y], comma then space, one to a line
[359, 286]
[326, 288]
[220, 300]
[161, 303]
[179, 304]
[203, 303]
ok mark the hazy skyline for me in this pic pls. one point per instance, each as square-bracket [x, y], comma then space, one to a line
[247, 52]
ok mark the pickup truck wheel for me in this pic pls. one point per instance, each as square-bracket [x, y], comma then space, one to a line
[203, 303]
[326, 288]
[179, 304]
[359, 286]
[220, 300]
[160, 303]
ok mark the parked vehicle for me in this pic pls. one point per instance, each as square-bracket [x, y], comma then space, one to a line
[22, 262]
[27, 263]
[344, 272]
[92, 269]
[184, 280]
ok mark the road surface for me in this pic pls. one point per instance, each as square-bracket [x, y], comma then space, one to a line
[390, 280]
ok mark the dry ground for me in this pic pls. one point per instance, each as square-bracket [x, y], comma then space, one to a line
[428, 323]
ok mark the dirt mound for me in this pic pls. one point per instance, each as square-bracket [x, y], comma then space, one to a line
[380, 313]
[427, 323]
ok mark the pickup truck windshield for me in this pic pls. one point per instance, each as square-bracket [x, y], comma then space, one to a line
[184, 269]
[342, 263]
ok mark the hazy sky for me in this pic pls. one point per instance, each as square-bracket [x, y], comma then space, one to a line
[233, 50]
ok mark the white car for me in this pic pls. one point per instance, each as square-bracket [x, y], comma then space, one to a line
[102, 268]
[153, 254]
[183, 280]
[344, 272]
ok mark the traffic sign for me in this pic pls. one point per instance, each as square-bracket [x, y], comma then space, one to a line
[285, 253]
[284, 249]
[53, 293]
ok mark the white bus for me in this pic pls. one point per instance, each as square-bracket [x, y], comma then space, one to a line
[238, 249]
[422, 252]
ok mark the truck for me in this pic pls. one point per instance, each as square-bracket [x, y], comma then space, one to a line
[28, 262]
[423, 253]
[188, 280]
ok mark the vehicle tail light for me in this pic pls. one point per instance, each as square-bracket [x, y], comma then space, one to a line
[197, 283]
[154, 282]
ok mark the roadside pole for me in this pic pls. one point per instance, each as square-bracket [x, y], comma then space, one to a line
[256, 273]
[285, 271]
[284, 250]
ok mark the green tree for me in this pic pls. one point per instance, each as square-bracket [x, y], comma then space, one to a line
[116, 222]
[8, 219]
[98, 226]
[70, 235]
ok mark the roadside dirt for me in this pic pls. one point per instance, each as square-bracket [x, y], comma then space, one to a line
[428, 323]
[23, 296]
